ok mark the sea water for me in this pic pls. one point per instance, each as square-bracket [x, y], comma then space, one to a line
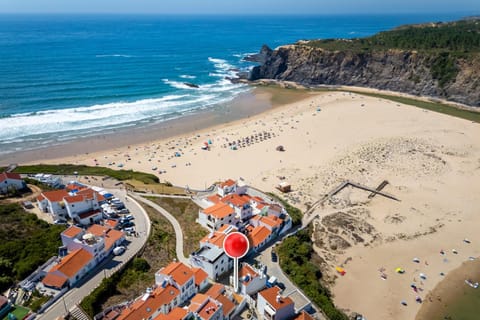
[69, 76]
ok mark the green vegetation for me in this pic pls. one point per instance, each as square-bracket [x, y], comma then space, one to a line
[69, 169]
[458, 37]
[36, 301]
[186, 212]
[299, 262]
[26, 242]
[18, 311]
[432, 106]
[138, 274]
[295, 213]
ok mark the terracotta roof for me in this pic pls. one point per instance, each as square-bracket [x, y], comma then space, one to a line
[258, 199]
[55, 195]
[303, 316]
[224, 228]
[204, 306]
[272, 221]
[227, 183]
[216, 239]
[219, 210]
[208, 310]
[88, 192]
[9, 175]
[215, 198]
[270, 295]
[245, 270]
[228, 306]
[215, 290]
[111, 235]
[257, 235]
[40, 198]
[179, 272]
[73, 262]
[112, 223]
[74, 199]
[143, 309]
[177, 313]
[236, 200]
[54, 280]
[72, 232]
[75, 186]
[199, 275]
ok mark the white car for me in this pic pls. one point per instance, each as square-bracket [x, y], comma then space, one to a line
[119, 250]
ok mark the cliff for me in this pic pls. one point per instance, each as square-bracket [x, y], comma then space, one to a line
[437, 60]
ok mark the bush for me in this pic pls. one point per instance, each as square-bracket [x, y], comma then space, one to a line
[295, 255]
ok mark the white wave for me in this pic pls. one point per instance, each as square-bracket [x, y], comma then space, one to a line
[113, 56]
[187, 76]
[177, 84]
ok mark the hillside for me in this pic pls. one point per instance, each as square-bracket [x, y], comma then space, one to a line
[437, 59]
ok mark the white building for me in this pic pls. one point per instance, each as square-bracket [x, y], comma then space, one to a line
[212, 260]
[52, 202]
[206, 308]
[180, 276]
[226, 187]
[250, 279]
[217, 216]
[272, 306]
[11, 181]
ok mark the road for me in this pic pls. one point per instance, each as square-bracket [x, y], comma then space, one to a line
[109, 266]
[175, 224]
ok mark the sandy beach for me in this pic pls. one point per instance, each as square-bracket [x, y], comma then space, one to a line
[431, 162]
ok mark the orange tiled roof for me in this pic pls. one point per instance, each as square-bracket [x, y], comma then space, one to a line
[270, 295]
[199, 275]
[112, 223]
[227, 183]
[235, 199]
[55, 195]
[303, 316]
[73, 262]
[74, 186]
[74, 199]
[216, 239]
[143, 309]
[247, 270]
[258, 235]
[177, 313]
[215, 290]
[224, 228]
[215, 198]
[40, 198]
[55, 280]
[72, 231]
[272, 221]
[228, 306]
[111, 235]
[208, 310]
[88, 193]
[9, 175]
[178, 271]
[219, 210]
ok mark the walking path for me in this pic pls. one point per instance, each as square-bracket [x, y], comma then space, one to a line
[173, 221]
[74, 296]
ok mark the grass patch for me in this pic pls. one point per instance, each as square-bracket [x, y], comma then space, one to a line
[139, 273]
[186, 212]
[294, 213]
[69, 169]
[160, 188]
[299, 261]
[432, 106]
[26, 242]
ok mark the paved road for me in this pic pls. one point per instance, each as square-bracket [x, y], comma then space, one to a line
[109, 266]
[159, 195]
[175, 224]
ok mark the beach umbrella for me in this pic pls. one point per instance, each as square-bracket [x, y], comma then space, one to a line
[403, 302]
[399, 270]
[416, 260]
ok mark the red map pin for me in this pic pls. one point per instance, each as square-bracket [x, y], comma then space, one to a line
[236, 245]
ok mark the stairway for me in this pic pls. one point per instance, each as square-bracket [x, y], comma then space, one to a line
[78, 314]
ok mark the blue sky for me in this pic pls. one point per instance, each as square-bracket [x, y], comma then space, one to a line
[240, 6]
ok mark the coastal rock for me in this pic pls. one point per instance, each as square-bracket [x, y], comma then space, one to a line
[191, 85]
[260, 57]
[405, 71]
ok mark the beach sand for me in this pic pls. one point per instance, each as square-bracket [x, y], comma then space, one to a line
[431, 161]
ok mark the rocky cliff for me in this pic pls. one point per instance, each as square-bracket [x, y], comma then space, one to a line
[440, 73]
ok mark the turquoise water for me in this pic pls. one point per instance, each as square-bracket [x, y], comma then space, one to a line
[63, 77]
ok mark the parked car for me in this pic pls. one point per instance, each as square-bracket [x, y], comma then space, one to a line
[274, 256]
[60, 221]
[119, 250]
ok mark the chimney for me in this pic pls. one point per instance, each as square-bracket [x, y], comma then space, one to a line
[279, 298]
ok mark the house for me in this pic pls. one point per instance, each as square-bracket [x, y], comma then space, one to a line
[52, 202]
[11, 182]
[284, 187]
[112, 238]
[258, 236]
[217, 216]
[226, 187]
[180, 276]
[271, 305]
[69, 270]
[241, 205]
[218, 292]
[201, 278]
[271, 222]
[5, 306]
[212, 260]
[85, 200]
[251, 280]
[217, 237]
[161, 300]
[206, 308]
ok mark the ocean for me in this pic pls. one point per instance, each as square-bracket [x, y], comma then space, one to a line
[69, 76]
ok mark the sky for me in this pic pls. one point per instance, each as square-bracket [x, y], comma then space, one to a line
[241, 6]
